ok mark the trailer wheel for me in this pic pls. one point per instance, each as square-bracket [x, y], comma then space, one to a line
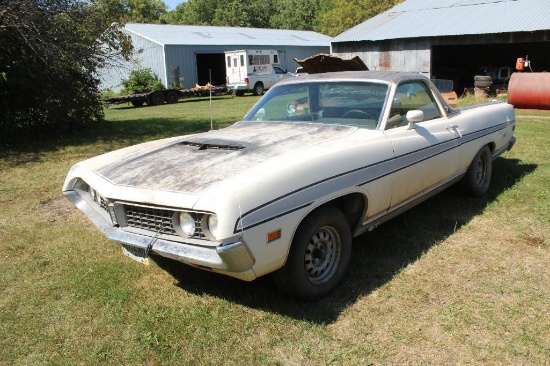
[172, 97]
[258, 88]
[157, 98]
[137, 103]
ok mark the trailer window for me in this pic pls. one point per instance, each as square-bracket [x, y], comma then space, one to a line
[242, 60]
[235, 62]
[258, 59]
[275, 59]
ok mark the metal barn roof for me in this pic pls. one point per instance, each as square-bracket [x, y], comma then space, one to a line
[206, 35]
[434, 18]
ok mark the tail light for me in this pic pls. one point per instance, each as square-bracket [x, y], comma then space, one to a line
[246, 80]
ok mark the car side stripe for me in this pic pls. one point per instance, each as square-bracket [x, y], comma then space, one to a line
[289, 202]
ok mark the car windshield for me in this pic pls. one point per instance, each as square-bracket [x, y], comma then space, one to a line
[347, 103]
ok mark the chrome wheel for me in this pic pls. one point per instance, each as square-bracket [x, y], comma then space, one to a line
[481, 169]
[322, 255]
[475, 182]
[319, 255]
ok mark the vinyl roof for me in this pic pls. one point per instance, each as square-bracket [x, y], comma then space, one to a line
[434, 18]
[165, 34]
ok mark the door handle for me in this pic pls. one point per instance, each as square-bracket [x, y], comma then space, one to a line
[454, 128]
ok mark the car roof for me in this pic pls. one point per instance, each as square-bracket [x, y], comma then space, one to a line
[388, 76]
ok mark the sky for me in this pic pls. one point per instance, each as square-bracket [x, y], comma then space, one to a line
[173, 3]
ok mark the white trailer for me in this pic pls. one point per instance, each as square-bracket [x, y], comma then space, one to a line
[253, 71]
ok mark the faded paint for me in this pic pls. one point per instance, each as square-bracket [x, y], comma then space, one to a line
[186, 166]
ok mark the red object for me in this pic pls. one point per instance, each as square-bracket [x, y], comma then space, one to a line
[246, 80]
[520, 64]
[529, 90]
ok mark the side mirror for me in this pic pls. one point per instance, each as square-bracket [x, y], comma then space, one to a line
[414, 116]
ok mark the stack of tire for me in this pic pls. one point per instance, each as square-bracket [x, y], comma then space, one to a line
[482, 86]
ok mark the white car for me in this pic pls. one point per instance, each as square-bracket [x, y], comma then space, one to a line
[318, 160]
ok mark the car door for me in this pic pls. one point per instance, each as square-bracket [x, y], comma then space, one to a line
[425, 155]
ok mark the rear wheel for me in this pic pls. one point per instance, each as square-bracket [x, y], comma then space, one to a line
[137, 103]
[172, 97]
[478, 176]
[319, 256]
[239, 93]
[258, 88]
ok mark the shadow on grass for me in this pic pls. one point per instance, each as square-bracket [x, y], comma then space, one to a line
[113, 135]
[377, 256]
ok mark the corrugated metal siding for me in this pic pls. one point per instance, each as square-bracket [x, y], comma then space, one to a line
[163, 46]
[425, 18]
[218, 36]
[411, 56]
[184, 57]
[147, 54]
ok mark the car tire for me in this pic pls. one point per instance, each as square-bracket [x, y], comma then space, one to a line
[172, 97]
[475, 182]
[483, 84]
[482, 78]
[258, 88]
[157, 98]
[319, 256]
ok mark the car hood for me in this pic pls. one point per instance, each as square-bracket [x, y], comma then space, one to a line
[192, 164]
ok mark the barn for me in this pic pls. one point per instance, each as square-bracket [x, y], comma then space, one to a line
[195, 54]
[453, 39]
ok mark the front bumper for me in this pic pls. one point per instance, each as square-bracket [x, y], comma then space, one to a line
[232, 259]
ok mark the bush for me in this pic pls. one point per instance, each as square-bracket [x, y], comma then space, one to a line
[141, 80]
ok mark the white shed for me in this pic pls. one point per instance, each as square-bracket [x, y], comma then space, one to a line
[195, 54]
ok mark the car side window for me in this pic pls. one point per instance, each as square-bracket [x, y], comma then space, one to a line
[410, 96]
[278, 70]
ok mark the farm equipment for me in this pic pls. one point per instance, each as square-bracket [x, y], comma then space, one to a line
[159, 97]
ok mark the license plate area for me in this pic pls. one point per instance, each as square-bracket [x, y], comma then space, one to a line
[138, 254]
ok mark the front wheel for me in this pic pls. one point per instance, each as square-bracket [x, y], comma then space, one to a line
[475, 182]
[319, 256]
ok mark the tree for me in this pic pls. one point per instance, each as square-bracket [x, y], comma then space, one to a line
[296, 14]
[50, 51]
[348, 13]
[143, 11]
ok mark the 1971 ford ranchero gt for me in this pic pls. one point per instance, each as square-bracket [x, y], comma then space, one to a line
[318, 160]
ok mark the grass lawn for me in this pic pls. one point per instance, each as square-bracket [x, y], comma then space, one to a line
[453, 281]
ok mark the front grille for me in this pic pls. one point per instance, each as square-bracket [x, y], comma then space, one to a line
[149, 218]
[158, 221]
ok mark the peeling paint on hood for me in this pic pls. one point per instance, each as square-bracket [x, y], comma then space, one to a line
[193, 164]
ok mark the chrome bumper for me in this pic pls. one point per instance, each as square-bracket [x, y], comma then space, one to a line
[233, 259]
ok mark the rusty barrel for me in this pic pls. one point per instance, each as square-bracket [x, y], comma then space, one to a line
[529, 90]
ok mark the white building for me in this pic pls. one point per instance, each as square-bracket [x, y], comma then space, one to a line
[196, 53]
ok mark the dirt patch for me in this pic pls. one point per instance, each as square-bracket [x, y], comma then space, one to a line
[534, 241]
[58, 209]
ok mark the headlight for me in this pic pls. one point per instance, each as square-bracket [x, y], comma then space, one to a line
[187, 223]
[291, 109]
[213, 225]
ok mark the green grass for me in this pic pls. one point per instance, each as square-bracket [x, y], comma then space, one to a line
[454, 280]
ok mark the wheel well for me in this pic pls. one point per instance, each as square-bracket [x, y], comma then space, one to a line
[352, 206]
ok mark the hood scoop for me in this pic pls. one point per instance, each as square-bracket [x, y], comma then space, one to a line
[212, 146]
